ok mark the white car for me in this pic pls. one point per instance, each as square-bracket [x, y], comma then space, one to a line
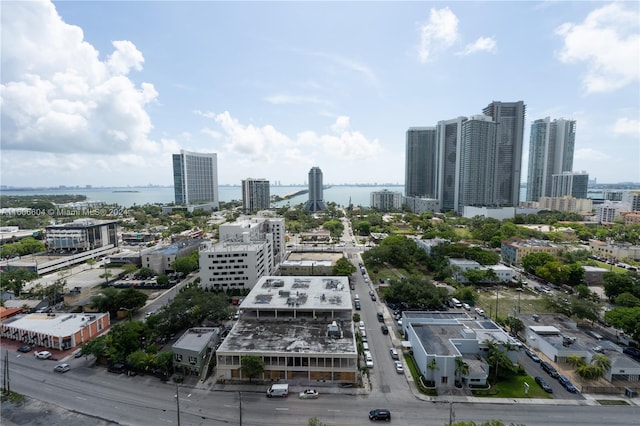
[309, 394]
[466, 306]
[42, 354]
[479, 312]
[399, 367]
[62, 368]
[361, 325]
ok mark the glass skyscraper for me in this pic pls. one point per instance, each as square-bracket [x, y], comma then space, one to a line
[509, 117]
[551, 147]
[316, 197]
[195, 178]
[421, 169]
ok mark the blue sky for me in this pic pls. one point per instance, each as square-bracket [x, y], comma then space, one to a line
[102, 93]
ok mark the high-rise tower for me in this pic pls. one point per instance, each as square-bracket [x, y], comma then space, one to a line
[509, 117]
[316, 199]
[195, 178]
[255, 195]
[551, 147]
[421, 169]
[449, 134]
[477, 162]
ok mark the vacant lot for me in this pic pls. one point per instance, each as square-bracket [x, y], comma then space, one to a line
[510, 301]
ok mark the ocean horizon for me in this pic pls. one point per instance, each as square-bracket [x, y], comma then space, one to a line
[342, 195]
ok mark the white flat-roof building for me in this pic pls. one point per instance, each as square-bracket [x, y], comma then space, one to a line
[60, 331]
[438, 338]
[301, 327]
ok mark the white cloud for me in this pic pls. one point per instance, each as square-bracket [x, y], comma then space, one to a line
[59, 97]
[482, 44]
[627, 126]
[608, 42]
[293, 99]
[439, 33]
[590, 154]
[267, 144]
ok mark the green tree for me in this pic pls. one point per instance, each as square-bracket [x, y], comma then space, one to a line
[186, 264]
[533, 261]
[615, 284]
[130, 299]
[432, 366]
[462, 369]
[625, 319]
[162, 280]
[627, 300]
[575, 360]
[251, 366]
[343, 267]
[466, 294]
[15, 279]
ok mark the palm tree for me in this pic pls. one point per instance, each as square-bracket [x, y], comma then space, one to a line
[601, 361]
[462, 368]
[575, 360]
[432, 365]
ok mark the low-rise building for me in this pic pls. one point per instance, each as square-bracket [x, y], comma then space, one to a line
[160, 259]
[59, 331]
[593, 275]
[301, 327]
[192, 351]
[460, 266]
[514, 250]
[614, 250]
[442, 342]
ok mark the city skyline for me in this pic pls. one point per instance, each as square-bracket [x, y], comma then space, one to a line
[92, 97]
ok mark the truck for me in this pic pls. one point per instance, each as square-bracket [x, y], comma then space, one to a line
[278, 389]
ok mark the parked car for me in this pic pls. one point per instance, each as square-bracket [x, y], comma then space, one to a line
[480, 312]
[549, 369]
[380, 414]
[394, 353]
[531, 354]
[24, 349]
[466, 306]
[42, 354]
[544, 385]
[373, 297]
[361, 325]
[399, 367]
[62, 368]
[566, 383]
[385, 329]
[309, 394]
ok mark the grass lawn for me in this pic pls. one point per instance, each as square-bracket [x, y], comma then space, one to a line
[612, 402]
[611, 268]
[513, 387]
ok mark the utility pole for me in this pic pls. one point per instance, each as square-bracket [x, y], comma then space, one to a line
[178, 402]
[497, 292]
[7, 381]
[240, 395]
[452, 415]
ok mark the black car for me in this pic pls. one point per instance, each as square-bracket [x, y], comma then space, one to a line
[549, 369]
[24, 349]
[544, 385]
[385, 329]
[532, 355]
[117, 368]
[380, 414]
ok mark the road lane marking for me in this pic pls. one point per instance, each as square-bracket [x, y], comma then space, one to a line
[282, 409]
[79, 397]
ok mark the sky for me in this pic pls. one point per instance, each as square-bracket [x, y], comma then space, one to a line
[102, 93]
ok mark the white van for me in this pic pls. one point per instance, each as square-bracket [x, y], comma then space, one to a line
[365, 345]
[278, 389]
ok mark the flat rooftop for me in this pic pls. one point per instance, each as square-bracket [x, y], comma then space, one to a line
[53, 324]
[196, 339]
[298, 293]
[290, 336]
